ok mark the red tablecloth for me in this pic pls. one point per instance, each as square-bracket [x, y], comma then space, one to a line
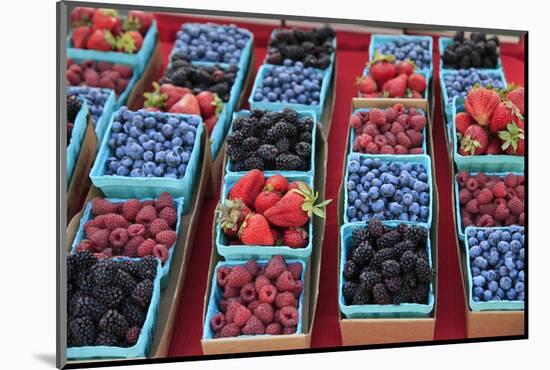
[351, 56]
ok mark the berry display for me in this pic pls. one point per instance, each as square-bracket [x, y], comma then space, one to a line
[95, 99]
[497, 263]
[73, 107]
[211, 42]
[253, 303]
[150, 144]
[387, 190]
[492, 123]
[387, 275]
[460, 82]
[279, 145]
[490, 200]
[290, 83]
[130, 228]
[99, 312]
[99, 74]
[313, 47]
[479, 51]
[417, 51]
[394, 130]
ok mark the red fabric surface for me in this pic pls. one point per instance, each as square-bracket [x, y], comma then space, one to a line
[450, 323]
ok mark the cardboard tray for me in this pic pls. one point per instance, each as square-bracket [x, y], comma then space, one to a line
[150, 73]
[391, 330]
[170, 296]
[311, 284]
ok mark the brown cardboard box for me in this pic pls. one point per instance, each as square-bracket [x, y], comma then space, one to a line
[311, 284]
[397, 330]
[136, 99]
[326, 116]
[170, 296]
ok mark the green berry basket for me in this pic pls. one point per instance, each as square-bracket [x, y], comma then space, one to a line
[75, 141]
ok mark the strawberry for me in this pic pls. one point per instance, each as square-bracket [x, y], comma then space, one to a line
[210, 104]
[415, 95]
[474, 141]
[406, 67]
[462, 122]
[81, 16]
[101, 40]
[105, 19]
[155, 99]
[248, 187]
[277, 183]
[512, 139]
[138, 21]
[266, 200]
[255, 231]
[366, 85]
[231, 215]
[129, 42]
[516, 96]
[80, 36]
[494, 146]
[396, 87]
[295, 237]
[481, 103]
[417, 82]
[188, 104]
[296, 207]
[504, 113]
[382, 68]
[173, 93]
[210, 122]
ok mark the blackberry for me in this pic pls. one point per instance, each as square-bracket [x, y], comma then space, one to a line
[381, 256]
[350, 270]
[375, 228]
[148, 267]
[404, 246]
[106, 339]
[71, 303]
[236, 154]
[289, 162]
[389, 239]
[393, 284]
[390, 268]
[125, 281]
[359, 235]
[235, 138]
[81, 261]
[283, 145]
[423, 271]
[133, 314]
[403, 295]
[250, 144]
[362, 254]
[142, 293]
[87, 306]
[104, 272]
[305, 125]
[370, 278]
[110, 296]
[417, 234]
[290, 115]
[274, 116]
[348, 290]
[420, 294]
[275, 133]
[86, 282]
[421, 253]
[113, 323]
[408, 261]
[401, 228]
[268, 152]
[381, 295]
[362, 296]
[73, 107]
[266, 123]
[306, 137]
[252, 163]
[81, 332]
[255, 113]
[303, 150]
[409, 279]
[131, 267]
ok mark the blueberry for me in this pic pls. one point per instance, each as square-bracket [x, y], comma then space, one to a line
[478, 281]
[511, 294]
[487, 295]
[407, 199]
[122, 171]
[505, 282]
[475, 251]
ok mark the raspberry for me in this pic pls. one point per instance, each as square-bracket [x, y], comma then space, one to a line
[146, 215]
[391, 114]
[164, 200]
[418, 122]
[102, 206]
[169, 214]
[253, 327]
[274, 328]
[485, 221]
[289, 330]
[467, 221]
[385, 128]
[132, 335]
[499, 190]
[390, 138]
[252, 267]
[472, 184]
[101, 239]
[248, 293]
[232, 307]
[511, 220]
[146, 248]
[285, 299]
[148, 202]
[130, 209]
[90, 230]
[221, 275]
[500, 201]
[114, 221]
[275, 267]
[370, 129]
[521, 180]
[416, 151]
[261, 281]
[380, 140]
[400, 149]
[296, 270]
[521, 219]
[230, 330]
[520, 192]
[417, 138]
[355, 121]
[403, 120]
[242, 314]
[487, 209]
[285, 282]
[252, 305]
[485, 196]
[86, 245]
[231, 292]
[298, 289]
[515, 205]
[161, 252]
[238, 277]
[510, 193]
[387, 149]
[511, 180]
[264, 312]
[136, 230]
[464, 196]
[403, 139]
[501, 212]
[372, 148]
[399, 108]
[396, 128]
[217, 322]
[472, 206]
[118, 237]
[157, 226]
[167, 237]
[267, 294]
[462, 178]
[377, 116]
[482, 179]
[288, 316]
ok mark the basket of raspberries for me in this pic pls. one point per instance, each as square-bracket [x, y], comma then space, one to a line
[131, 228]
[262, 297]
[386, 270]
[261, 216]
[272, 140]
[112, 305]
[489, 130]
[394, 130]
[489, 200]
